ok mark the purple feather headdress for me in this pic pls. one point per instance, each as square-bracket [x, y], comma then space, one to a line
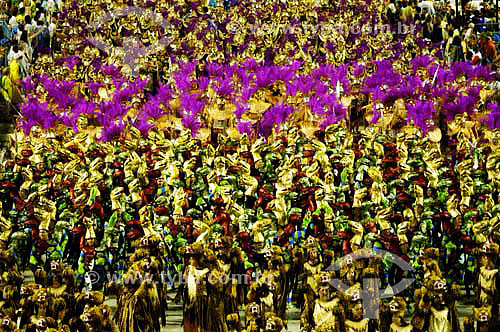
[132, 89]
[191, 105]
[385, 75]
[152, 110]
[245, 78]
[191, 108]
[493, 121]
[215, 69]
[286, 74]
[241, 108]
[482, 72]
[302, 84]
[112, 71]
[247, 93]
[60, 91]
[337, 114]
[245, 128]
[264, 77]
[112, 131]
[421, 113]
[324, 71]
[191, 122]
[460, 68]
[163, 95]
[94, 87]
[81, 107]
[72, 62]
[143, 126]
[250, 65]
[182, 82]
[203, 83]
[34, 114]
[276, 115]
[464, 104]
[358, 69]
[110, 111]
[226, 88]
[27, 84]
[421, 62]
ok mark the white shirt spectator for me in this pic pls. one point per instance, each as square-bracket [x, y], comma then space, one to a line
[21, 60]
[52, 29]
[27, 50]
[51, 6]
[12, 22]
[477, 57]
[469, 32]
[476, 5]
[427, 6]
[35, 27]
[14, 55]
[392, 8]
[18, 35]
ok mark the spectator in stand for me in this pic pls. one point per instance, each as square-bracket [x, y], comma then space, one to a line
[452, 17]
[475, 5]
[427, 7]
[15, 3]
[392, 12]
[472, 46]
[25, 47]
[6, 87]
[437, 32]
[456, 51]
[9, 89]
[20, 15]
[476, 56]
[52, 30]
[488, 49]
[418, 15]
[408, 12]
[13, 20]
[17, 63]
[444, 26]
[478, 21]
[27, 22]
[487, 20]
[427, 28]
[469, 33]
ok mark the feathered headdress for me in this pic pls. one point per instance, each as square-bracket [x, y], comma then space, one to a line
[275, 116]
[245, 128]
[493, 121]
[421, 62]
[191, 108]
[35, 113]
[482, 73]
[94, 87]
[421, 113]
[112, 71]
[27, 84]
[458, 69]
[385, 75]
[59, 91]
[112, 131]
